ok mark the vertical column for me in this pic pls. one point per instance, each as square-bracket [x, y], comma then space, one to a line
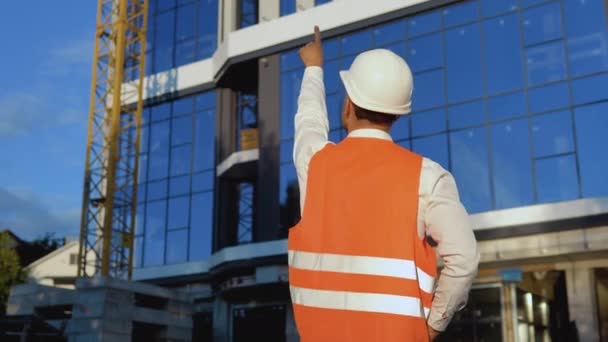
[221, 320]
[581, 301]
[228, 10]
[226, 192]
[268, 10]
[267, 198]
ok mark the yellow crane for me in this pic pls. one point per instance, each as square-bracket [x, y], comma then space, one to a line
[110, 181]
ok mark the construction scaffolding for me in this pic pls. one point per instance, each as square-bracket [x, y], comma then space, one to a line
[110, 182]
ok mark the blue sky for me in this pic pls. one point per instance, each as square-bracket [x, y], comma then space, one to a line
[44, 94]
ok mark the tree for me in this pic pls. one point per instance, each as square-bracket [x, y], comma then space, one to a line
[32, 251]
[11, 271]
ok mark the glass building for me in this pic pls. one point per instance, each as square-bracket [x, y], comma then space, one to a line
[510, 96]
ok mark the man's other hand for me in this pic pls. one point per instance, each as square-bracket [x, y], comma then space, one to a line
[312, 53]
[433, 334]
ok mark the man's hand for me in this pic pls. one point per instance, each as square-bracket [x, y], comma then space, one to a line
[433, 334]
[312, 53]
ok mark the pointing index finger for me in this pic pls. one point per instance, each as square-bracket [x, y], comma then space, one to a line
[317, 35]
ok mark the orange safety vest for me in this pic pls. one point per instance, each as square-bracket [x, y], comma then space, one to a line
[357, 269]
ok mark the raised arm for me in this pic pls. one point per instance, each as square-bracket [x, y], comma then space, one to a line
[311, 122]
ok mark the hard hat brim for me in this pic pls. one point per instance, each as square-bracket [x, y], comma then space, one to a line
[359, 99]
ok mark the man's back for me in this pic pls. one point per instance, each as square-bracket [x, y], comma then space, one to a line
[356, 255]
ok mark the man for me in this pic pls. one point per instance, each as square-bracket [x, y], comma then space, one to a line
[360, 265]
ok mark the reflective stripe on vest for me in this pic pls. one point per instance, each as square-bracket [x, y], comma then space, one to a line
[388, 267]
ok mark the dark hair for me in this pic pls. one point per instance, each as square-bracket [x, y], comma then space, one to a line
[374, 117]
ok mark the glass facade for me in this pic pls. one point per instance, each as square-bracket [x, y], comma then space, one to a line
[175, 191]
[180, 32]
[509, 96]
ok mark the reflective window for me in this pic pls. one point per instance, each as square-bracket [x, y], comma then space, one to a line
[286, 151]
[142, 176]
[290, 89]
[288, 7]
[138, 244]
[398, 48]
[248, 13]
[179, 186]
[405, 144]
[202, 181]
[401, 128]
[207, 28]
[429, 90]
[550, 97]
[186, 22]
[184, 105]
[331, 50]
[506, 106]
[542, 23]
[289, 196]
[552, 133]
[556, 179]
[470, 167]
[492, 7]
[321, 2]
[466, 114]
[389, 33]
[434, 147]
[331, 71]
[160, 112]
[181, 131]
[463, 58]
[204, 140]
[590, 89]
[425, 53]
[291, 60]
[424, 23]
[201, 222]
[425, 123]
[154, 239]
[546, 63]
[157, 190]
[139, 219]
[185, 52]
[334, 105]
[587, 39]
[511, 164]
[591, 127]
[356, 42]
[180, 160]
[177, 246]
[502, 51]
[460, 13]
[178, 212]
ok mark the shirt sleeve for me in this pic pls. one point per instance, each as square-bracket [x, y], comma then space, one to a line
[448, 224]
[311, 125]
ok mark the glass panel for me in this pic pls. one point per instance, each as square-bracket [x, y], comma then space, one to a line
[401, 128]
[164, 35]
[542, 23]
[138, 244]
[397, 48]
[286, 151]
[181, 158]
[466, 114]
[205, 100]
[163, 59]
[184, 105]
[290, 89]
[178, 212]
[429, 90]
[585, 25]
[502, 51]
[249, 13]
[460, 14]
[405, 144]
[428, 122]
[290, 60]
[389, 33]
[143, 139]
[289, 197]
[463, 59]
[506, 106]
[141, 192]
[549, 97]
[511, 164]
[321, 2]
[201, 223]
[157, 190]
[186, 22]
[160, 112]
[177, 246]
[492, 7]
[181, 131]
[207, 27]
[336, 135]
[424, 23]
[288, 7]
[202, 181]
[334, 110]
[556, 179]
[470, 167]
[356, 42]
[154, 245]
[185, 52]
[179, 186]
[159, 150]
[552, 134]
[591, 124]
[434, 147]
[332, 76]
[425, 53]
[142, 176]
[204, 140]
[163, 5]
[139, 219]
[331, 50]
[546, 63]
[590, 89]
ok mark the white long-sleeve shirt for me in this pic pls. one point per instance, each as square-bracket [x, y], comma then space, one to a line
[441, 215]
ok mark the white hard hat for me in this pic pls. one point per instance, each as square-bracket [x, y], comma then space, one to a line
[381, 81]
